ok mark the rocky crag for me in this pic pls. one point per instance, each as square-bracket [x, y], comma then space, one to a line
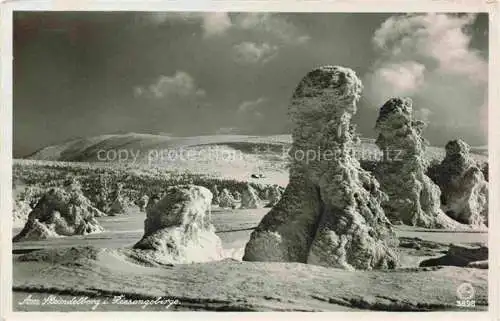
[61, 212]
[464, 188]
[330, 212]
[178, 228]
[414, 199]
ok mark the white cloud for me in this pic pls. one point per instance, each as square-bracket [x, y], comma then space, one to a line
[429, 58]
[397, 79]
[439, 38]
[218, 23]
[215, 23]
[251, 106]
[180, 85]
[273, 24]
[251, 52]
[212, 23]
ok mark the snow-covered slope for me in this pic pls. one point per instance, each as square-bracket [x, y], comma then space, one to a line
[231, 156]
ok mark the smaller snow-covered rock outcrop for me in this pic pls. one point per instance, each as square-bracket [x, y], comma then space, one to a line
[414, 199]
[120, 203]
[61, 212]
[464, 188]
[461, 255]
[226, 200]
[249, 197]
[178, 228]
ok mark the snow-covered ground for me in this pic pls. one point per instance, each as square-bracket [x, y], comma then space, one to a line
[229, 285]
[233, 227]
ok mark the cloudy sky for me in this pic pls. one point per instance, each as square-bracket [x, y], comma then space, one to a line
[83, 74]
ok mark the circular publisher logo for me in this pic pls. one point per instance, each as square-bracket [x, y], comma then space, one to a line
[465, 291]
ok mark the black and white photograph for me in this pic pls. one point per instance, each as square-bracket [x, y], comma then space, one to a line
[250, 161]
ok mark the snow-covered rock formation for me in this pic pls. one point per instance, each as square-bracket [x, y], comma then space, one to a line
[464, 188]
[178, 228]
[414, 199]
[61, 212]
[330, 212]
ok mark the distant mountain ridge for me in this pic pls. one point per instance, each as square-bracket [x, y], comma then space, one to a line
[87, 149]
[229, 156]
